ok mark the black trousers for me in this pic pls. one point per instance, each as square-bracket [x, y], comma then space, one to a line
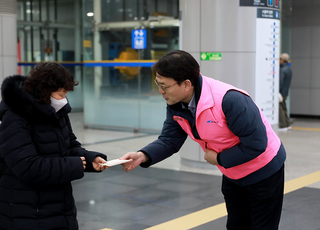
[257, 206]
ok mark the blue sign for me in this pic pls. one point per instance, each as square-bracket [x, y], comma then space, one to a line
[139, 39]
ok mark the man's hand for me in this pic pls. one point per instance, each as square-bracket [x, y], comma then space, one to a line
[137, 159]
[96, 164]
[211, 156]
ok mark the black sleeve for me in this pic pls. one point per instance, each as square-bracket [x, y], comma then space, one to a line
[77, 150]
[244, 120]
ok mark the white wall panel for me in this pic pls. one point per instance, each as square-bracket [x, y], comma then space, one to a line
[315, 74]
[237, 69]
[300, 101]
[196, 55]
[8, 45]
[302, 16]
[315, 102]
[301, 42]
[9, 35]
[315, 13]
[10, 66]
[1, 71]
[300, 3]
[305, 58]
[1, 35]
[301, 72]
[190, 36]
[227, 27]
[315, 44]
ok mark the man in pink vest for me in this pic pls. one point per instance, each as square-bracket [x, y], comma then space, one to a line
[233, 133]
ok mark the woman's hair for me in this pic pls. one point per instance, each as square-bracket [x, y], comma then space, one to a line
[46, 78]
[179, 65]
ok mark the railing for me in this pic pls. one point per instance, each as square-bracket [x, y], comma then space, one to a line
[131, 63]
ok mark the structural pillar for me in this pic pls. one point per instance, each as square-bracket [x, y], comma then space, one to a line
[97, 48]
[8, 38]
[237, 42]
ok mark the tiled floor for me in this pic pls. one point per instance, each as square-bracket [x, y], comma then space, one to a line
[144, 198]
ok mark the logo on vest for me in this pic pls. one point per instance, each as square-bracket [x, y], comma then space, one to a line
[211, 121]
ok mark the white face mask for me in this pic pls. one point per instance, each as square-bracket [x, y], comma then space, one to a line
[58, 104]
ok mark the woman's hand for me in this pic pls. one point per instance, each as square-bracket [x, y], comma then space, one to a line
[83, 162]
[97, 164]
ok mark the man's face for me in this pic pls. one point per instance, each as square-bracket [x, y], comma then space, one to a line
[170, 90]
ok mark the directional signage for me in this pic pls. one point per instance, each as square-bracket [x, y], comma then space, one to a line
[267, 62]
[139, 39]
[208, 56]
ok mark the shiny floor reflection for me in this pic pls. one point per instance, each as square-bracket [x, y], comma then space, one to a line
[145, 198]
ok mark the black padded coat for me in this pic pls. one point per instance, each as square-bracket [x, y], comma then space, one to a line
[43, 157]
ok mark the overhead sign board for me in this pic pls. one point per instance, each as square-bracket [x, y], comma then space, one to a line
[139, 39]
[261, 3]
[268, 13]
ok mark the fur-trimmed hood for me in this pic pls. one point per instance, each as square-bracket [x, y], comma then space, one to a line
[16, 99]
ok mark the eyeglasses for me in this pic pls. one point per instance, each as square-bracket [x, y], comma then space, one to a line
[163, 88]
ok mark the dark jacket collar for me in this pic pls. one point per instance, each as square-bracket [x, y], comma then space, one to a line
[198, 87]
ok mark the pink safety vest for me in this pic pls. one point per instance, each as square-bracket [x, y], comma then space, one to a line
[213, 130]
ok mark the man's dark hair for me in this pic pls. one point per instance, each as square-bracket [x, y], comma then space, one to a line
[179, 65]
[46, 78]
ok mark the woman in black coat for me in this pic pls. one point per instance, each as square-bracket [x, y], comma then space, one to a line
[40, 152]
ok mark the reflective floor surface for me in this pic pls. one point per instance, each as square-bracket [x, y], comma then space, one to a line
[171, 196]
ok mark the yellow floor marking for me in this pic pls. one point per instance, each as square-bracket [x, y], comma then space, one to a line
[215, 212]
[301, 182]
[194, 219]
[106, 229]
[303, 128]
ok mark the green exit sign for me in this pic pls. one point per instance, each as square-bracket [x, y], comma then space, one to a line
[208, 56]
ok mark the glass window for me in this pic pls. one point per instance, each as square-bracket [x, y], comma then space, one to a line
[51, 31]
[125, 97]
